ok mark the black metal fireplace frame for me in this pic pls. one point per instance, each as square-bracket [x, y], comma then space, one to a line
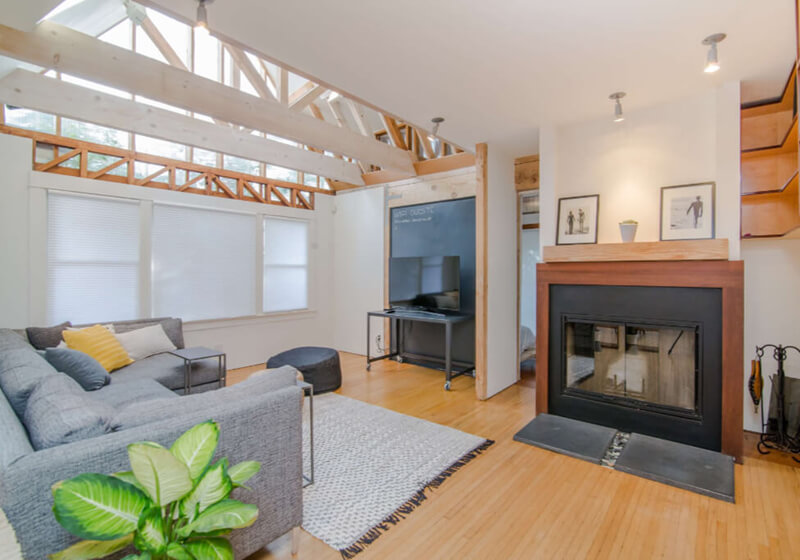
[638, 404]
[675, 306]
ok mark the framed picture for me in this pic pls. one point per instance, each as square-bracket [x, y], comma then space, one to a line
[577, 220]
[687, 211]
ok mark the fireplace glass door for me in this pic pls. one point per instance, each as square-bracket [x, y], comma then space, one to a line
[632, 362]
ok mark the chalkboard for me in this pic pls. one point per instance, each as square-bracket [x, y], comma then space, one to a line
[445, 228]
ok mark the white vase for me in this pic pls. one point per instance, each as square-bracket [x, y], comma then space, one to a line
[628, 232]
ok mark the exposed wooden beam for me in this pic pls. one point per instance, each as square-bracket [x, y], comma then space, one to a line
[427, 147]
[481, 269]
[393, 131]
[162, 44]
[60, 48]
[359, 117]
[283, 86]
[307, 99]
[34, 91]
[243, 63]
[337, 113]
[299, 92]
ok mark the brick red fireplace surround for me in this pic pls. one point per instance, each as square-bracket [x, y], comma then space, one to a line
[725, 275]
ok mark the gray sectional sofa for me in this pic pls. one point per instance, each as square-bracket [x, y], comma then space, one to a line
[260, 419]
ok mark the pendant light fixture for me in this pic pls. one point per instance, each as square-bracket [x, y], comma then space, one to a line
[712, 58]
[201, 22]
[616, 96]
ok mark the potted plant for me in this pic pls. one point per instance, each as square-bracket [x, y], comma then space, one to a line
[172, 504]
[627, 229]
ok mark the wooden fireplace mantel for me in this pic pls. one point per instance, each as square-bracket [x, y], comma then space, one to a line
[691, 250]
[723, 274]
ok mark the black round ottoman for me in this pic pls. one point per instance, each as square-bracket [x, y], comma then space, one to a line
[319, 366]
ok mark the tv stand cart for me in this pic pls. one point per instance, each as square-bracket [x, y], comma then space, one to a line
[398, 316]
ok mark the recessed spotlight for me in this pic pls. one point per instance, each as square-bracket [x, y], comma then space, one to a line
[201, 22]
[712, 58]
[436, 122]
[616, 96]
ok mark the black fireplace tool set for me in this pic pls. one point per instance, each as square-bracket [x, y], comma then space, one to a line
[774, 435]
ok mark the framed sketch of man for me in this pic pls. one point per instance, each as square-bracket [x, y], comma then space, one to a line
[577, 220]
[687, 211]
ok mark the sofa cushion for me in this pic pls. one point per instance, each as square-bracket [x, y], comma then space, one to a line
[84, 369]
[12, 340]
[145, 412]
[172, 327]
[167, 370]
[46, 337]
[119, 395]
[21, 370]
[14, 442]
[99, 343]
[145, 342]
[59, 412]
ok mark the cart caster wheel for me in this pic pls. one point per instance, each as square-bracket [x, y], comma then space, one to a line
[399, 359]
[446, 385]
[369, 367]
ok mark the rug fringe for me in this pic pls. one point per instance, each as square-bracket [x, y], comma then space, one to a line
[411, 504]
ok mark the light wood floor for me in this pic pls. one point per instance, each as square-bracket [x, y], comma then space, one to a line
[518, 501]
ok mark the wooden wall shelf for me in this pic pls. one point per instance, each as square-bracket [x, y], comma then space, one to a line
[696, 250]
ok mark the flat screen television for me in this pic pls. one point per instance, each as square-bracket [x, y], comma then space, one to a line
[429, 283]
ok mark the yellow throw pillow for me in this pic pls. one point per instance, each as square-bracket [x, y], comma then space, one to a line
[100, 344]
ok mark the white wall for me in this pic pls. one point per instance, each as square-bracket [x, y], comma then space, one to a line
[246, 340]
[691, 141]
[358, 271]
[15, 155]
[771, 310]
[502, 326]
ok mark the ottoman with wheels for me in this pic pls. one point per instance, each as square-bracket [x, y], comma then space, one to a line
[319, 366]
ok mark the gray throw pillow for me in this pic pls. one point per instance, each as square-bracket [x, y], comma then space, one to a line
[79, 366]
[20, 371]
[59, 412]
[46, 337]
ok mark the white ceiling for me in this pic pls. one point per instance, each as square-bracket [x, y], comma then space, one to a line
[498, 70]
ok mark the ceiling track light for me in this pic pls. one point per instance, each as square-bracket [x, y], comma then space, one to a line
[201, 22]
[712, 58]
[616, 96]
[436, 122]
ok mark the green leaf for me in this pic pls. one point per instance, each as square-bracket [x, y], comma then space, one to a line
[227, 514]
[89, 550]
[211, 549]
[196, 447]
[214, 487]
[98, 507]
[178, 552]
[127, 476]
[242, 472]
[163, 477]
[150, 533]
[142, 556]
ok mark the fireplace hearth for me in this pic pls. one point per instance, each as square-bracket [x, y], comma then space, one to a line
[653, 348]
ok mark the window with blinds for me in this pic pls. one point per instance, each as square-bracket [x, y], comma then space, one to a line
[285, 264]
[204, 264]
[92, 259]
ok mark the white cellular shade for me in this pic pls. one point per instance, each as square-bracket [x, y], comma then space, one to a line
[92, 259]
[203, 263]
[285, 264]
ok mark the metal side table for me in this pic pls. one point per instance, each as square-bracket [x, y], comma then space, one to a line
[190, 355]
[308, 389]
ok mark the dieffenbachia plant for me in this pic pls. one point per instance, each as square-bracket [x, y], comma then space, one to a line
[172, 504]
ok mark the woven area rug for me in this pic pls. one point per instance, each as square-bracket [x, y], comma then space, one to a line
[9, 548]
[373, 467]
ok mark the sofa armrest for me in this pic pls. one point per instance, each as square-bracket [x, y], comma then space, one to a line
[265, 427]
